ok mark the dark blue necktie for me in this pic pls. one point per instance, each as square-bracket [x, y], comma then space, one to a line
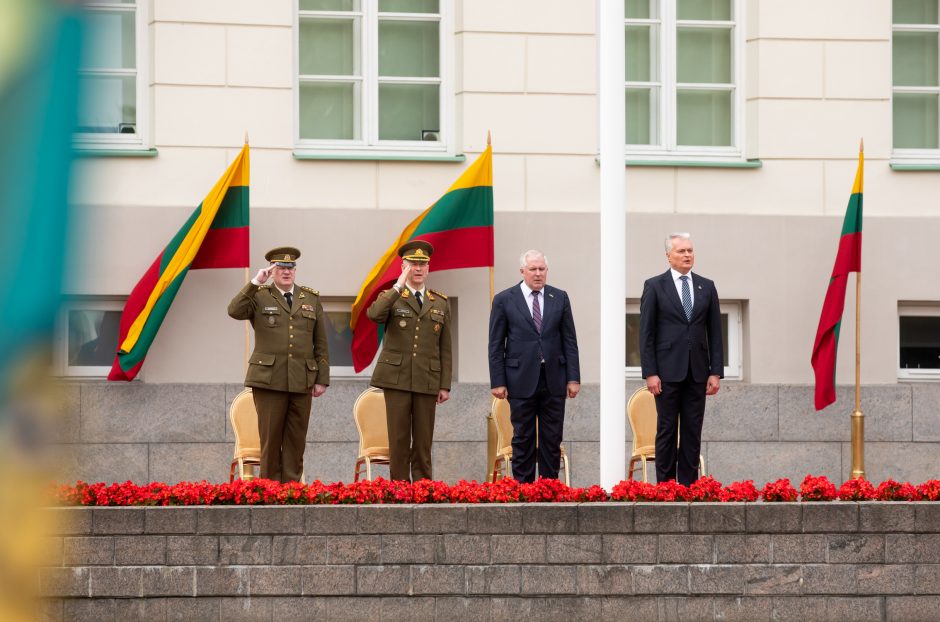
[686, 297]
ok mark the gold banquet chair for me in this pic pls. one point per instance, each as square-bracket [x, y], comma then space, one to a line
[244, 419]
[369, 413]
[500, 413]
[641, 411]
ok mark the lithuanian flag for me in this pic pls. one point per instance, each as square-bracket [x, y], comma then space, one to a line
[215, 236]
[848, 259]
[459, 226]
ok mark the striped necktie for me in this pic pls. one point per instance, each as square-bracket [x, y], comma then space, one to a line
[537, 312]
[686, 297]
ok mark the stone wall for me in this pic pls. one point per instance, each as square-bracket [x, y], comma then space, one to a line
[174, 432]
[606, 561]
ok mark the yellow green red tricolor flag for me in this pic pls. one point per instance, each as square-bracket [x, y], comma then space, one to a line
[214, 236]
[848, 259]
[459, 226]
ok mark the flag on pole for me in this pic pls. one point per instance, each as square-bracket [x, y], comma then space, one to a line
[848, 259]
[214, 236]
[459, 226]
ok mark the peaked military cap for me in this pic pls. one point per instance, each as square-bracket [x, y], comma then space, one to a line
[416, 250]
[283, 256]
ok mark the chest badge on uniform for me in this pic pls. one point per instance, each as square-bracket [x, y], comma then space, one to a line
[306, 307]
[403, 323]
[271, 320]
[437, 328]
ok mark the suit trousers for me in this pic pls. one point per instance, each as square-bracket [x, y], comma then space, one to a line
[537, 427]
[680, 410]
[282, 424]
[410, 419]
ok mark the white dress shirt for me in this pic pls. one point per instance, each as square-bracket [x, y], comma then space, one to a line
[527, 293]
[675, 277]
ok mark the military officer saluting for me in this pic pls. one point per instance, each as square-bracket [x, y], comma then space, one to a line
[414, 368]
[290, 364]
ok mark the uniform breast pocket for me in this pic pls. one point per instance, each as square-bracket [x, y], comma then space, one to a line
[401, 318]
[310, 318]
[437, 321]
[270, 317]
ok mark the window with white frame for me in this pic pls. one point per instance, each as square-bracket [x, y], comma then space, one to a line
[684, 62]
[339, 336]
[919, 342]
[112, 78]
[372, 76]
[731, 338]
[87, 337]
[915, 79]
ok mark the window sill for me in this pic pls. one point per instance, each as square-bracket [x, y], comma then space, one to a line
[84, 152]
[307, 155]
[696, 163]
[914, 166]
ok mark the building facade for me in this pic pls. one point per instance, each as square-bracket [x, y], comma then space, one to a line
[743, 125]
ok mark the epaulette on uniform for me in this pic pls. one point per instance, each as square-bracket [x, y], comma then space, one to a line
[437, 293]
[264, 286]
[312, 291]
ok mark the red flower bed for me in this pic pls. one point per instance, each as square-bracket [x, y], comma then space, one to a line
[267, 492]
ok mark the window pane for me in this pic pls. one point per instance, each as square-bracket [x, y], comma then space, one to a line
[328, 47]
[703, 118]
[407, 109]
[93, 336]
[915, 59]
[641, 61]
[328, 110]
[339, 338]
[915, 11]
[108, 104]
[705, 9]
[641, 9]
[920, 342]
[409, 49]
[329, 5]
[915, 121]
[642, 116]
[110, 42]
[704, 55]
[408, 6]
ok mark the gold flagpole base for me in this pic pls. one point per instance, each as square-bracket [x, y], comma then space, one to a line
[858, 445]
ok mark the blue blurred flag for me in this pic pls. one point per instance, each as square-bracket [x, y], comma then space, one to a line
[38, 112]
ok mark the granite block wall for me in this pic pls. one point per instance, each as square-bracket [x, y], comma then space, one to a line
[607, 561]
[173, 432]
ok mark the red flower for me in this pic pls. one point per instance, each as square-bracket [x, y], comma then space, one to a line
[890, 490]
[817, 489]
[780, 490]
[929, 490]
[742, 491]
[857, 490]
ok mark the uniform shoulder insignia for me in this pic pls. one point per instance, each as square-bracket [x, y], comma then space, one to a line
[312, 291]
[444, 296]
[263, 286]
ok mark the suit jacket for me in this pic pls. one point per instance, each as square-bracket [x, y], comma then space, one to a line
[416, 351]
[671, 344]
[515, 344]
[291, 352]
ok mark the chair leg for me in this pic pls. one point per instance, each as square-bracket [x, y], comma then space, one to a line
[356, 473]
[567, 466]
[644, 464]
[701, 466]
[368, 469]
[231, 473]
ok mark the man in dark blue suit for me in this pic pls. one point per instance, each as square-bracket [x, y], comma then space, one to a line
[681, 357]
[533, 354]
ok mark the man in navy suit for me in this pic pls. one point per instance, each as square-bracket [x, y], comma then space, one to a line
[681, 357]
[533, 354]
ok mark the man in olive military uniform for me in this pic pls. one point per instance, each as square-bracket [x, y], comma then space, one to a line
[290, 364]
[414, 368]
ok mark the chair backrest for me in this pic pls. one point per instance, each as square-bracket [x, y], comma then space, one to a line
[641, 411]
[244, 420]
[500, 410]
[369, 413]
